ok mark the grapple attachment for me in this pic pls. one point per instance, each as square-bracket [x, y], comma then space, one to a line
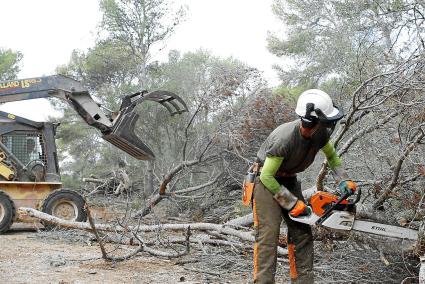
[122, 133]
[122, 136]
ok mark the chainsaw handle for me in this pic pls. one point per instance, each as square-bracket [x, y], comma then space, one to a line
[330, 209]
[358, 195]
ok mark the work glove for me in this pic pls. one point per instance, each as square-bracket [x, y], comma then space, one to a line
[288, 201]
[347, 187]
[300, 209]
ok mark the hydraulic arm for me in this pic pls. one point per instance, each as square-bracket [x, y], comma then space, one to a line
[116, 127]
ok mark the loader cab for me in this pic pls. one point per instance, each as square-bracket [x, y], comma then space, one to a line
[28, 148]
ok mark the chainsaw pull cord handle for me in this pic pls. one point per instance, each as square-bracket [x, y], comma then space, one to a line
[330, 209]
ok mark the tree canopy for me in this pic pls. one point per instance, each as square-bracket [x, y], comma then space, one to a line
[9, 64]
[347, 40]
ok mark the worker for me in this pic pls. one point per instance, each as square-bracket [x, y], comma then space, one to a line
[288, 150]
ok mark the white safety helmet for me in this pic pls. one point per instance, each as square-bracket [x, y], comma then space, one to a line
[316, 103]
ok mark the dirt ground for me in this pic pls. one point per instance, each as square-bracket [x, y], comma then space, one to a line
[27, 258]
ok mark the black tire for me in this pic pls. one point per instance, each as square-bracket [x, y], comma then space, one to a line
[65, 204]
[7, 212]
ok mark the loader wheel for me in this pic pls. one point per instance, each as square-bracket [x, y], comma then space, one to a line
[65, 204]
[7, 212]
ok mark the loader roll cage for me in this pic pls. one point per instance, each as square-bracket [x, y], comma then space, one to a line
[116, 127]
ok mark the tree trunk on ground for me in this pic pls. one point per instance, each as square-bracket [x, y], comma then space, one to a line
[215, 229]
[244, 221]
[386, 245]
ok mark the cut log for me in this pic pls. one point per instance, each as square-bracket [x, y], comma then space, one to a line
[244, 221]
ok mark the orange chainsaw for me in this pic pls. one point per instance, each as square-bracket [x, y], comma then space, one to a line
[339, 213]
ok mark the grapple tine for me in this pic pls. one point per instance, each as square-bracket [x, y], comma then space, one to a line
[122, 132]
[177, 108]
[123, 137]
[167, 99]
[166, 105]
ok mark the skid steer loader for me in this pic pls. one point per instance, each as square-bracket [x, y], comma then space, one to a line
[29, 169]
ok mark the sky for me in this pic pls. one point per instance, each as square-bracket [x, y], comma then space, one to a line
[47, 31]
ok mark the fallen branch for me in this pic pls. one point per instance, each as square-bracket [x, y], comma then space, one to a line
[141, 246]
[218, 228]
[386, 244]
[156, 198]
[198, 187]
[153, 201]
[205, 239]
[141, 228]
[244, 221]
[397, 169]
[96, 234]
[94, 180]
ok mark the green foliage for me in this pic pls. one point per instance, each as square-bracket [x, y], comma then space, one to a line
[9, 64]
[139, 25]
[289, 94]
[109, 63]
[348, 40]
[210, 86]
[139, 22]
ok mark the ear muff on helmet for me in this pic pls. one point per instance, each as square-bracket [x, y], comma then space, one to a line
[309, 121]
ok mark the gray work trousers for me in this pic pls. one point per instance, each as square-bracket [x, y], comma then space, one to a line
[267, 219]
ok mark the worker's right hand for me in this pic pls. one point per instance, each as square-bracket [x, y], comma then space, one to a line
[287, 200]
[300, 209]
[347, 187]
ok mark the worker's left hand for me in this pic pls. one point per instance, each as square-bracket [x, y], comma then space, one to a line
[347, 187]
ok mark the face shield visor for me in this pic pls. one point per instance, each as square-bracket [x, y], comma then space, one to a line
[329, 122]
